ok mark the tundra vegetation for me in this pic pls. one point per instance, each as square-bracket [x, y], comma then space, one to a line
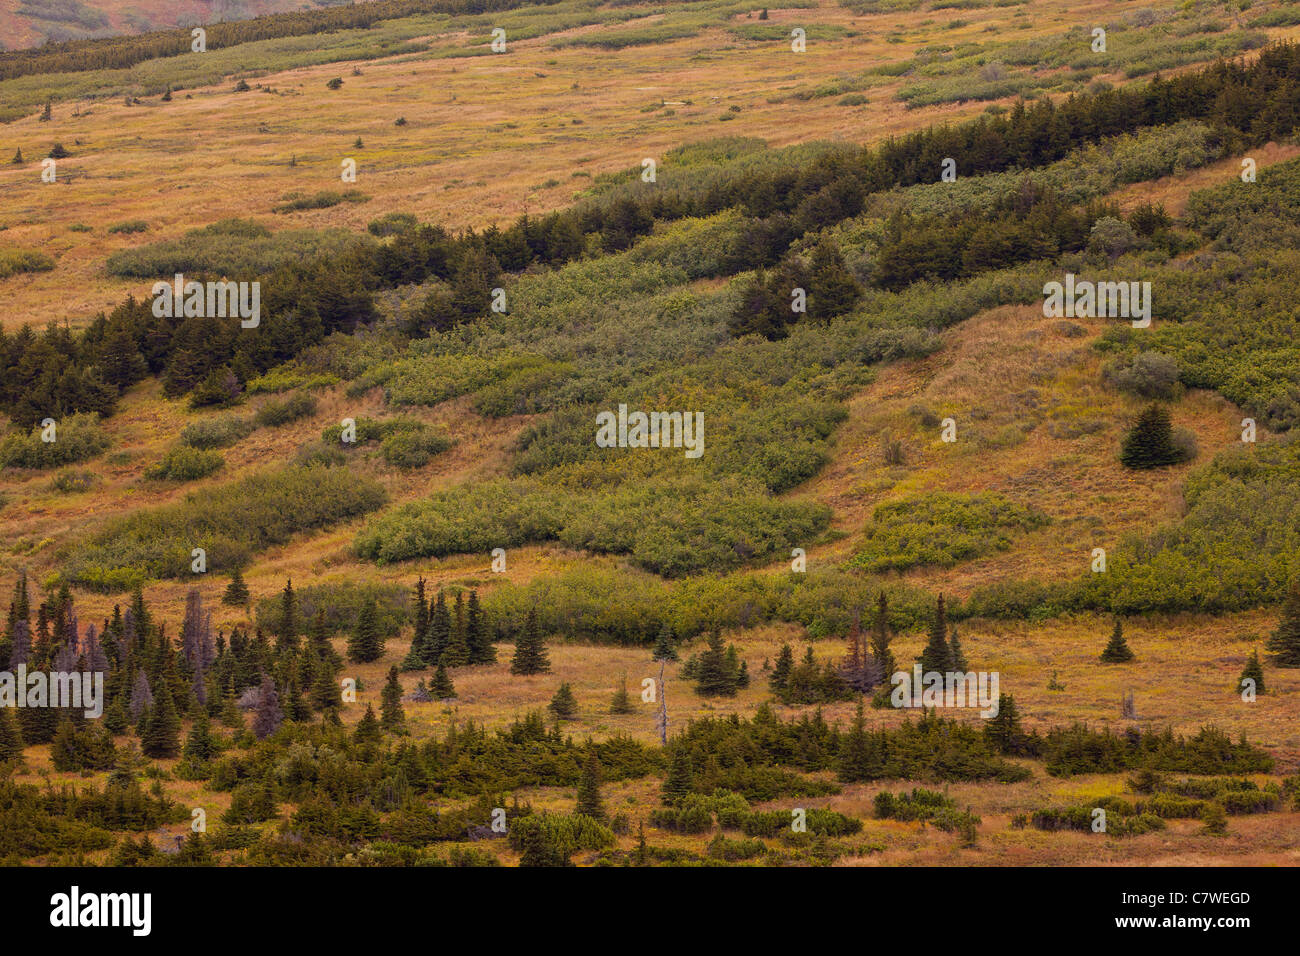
[361, 581]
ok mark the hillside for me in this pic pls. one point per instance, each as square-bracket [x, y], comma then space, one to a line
[29, 23]
[503, 269]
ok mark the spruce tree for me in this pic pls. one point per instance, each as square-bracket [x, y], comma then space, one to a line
[530, 652]
[365, 644]
[231, 716]
[1150, 442]
[200, 745]
[441, 687]
[1003, 730]
[236, 591]
[1117, 649]
[11, 738]
[564, 705]
[63, 748]
[415, 657]
[481, 649]
[936, 657]
[858, 759]
[18, 157]
[439, 631]
[393, 716]
[780, 675]
[621, 702]
[324, 692]
[456, 653]
[678, 783]
[287, 627]
[420, 631]
[162, 732]
[1254, 671]
[955, 653]
[1285, 642]
[880, 638]
[832, 288]
[716, 676]
[665, 648]
[589, 802]
[367, 730]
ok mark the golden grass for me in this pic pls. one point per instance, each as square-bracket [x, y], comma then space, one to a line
[484, 135]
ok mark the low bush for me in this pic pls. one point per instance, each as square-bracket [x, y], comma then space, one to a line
[219, 432]
[74, 439]
[185, 463]
[282, 412]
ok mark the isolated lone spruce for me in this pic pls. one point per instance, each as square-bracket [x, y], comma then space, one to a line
[1117, 650]
[530, 653]
[1254, 671]
[1150, 442]
[937, 654]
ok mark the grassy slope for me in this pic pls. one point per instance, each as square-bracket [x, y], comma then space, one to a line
[456, 109]
[20, 29]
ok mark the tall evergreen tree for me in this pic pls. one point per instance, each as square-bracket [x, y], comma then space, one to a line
[955, 653]
[1285, 642]
[439, 631]
[530, 651]
[287, 626]
[780, 675]
[715, 677]
[456, 653]
[680, 779]
[859, 758]
[393, 717]
[481, 649]
[415, 658]
[880, 638]
[11, 738]
[937, 654]
[366, 643]
[162, 730]
[1117, 649]
[589, 802]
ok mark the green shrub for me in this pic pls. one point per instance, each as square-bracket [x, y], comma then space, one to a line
[129, 227]
[413, 448]
[185, 463]
[231, 522]
[285, 378]
[216, 432]
[229, 247]
[76, 439]
[276, 412]
[392, 223]
[69, 481]
[15, 261]
[941, 530]
[321, 200]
